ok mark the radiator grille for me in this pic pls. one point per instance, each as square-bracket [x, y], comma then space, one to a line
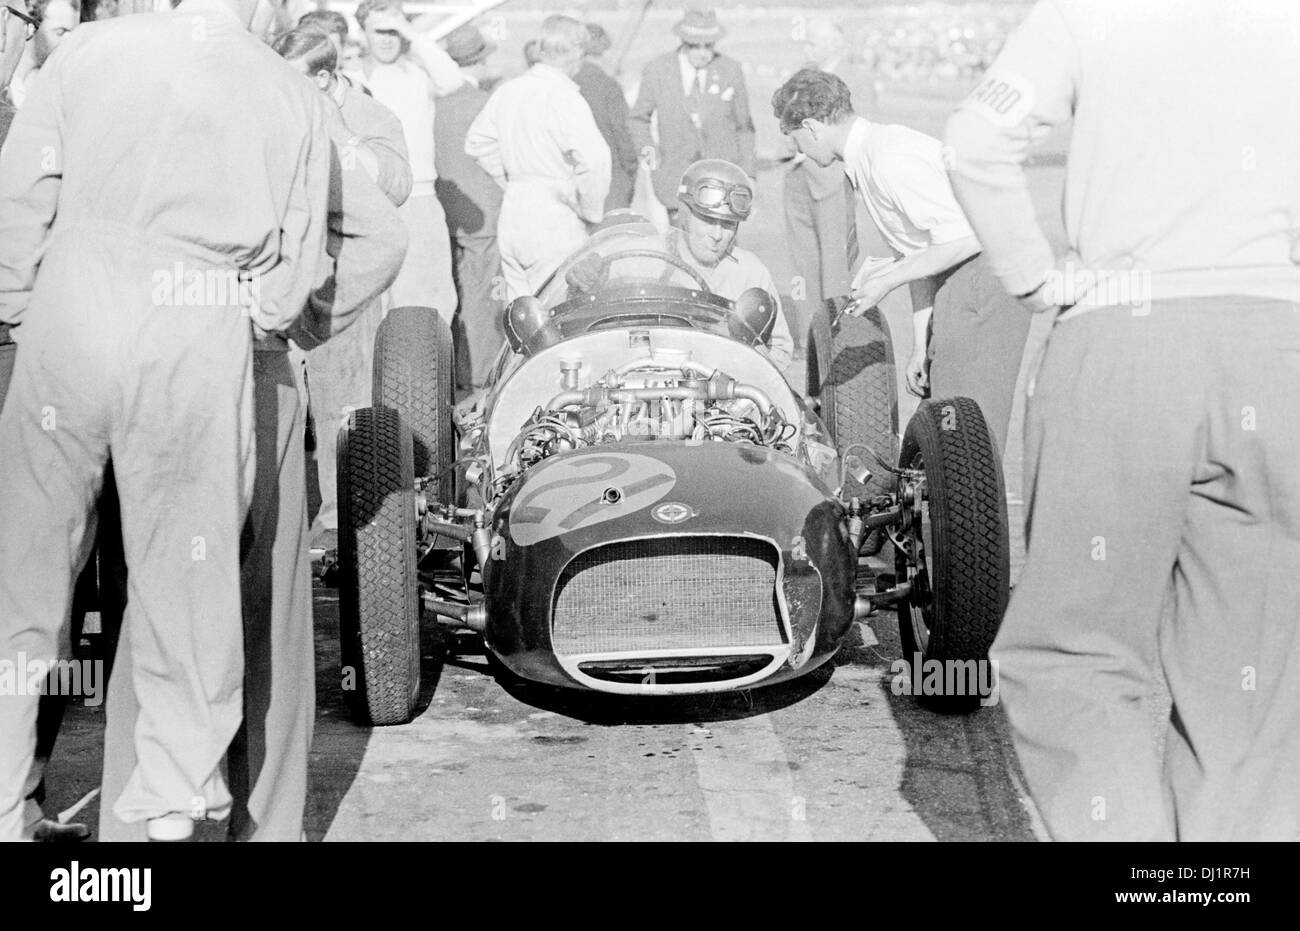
[665, 594]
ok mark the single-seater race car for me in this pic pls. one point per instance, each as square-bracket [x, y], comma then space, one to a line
[640, 503]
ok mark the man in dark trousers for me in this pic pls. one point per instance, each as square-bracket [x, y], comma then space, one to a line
[472, 202]
[702, 106]
[608, 105]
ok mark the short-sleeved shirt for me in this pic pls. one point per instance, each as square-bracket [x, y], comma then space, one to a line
[899, 173]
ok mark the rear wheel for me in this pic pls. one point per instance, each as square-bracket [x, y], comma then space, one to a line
[379, 596]
[851, 373]
[960, 562]
[413, 375]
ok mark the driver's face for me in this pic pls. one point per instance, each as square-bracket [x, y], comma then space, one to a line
[708, 239]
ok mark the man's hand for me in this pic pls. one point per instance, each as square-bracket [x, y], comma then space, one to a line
[391, 21]
[872, 282]
[918, 372]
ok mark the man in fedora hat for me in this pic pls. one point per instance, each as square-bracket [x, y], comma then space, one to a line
[472, 202]
[702, 106]
[608, 105]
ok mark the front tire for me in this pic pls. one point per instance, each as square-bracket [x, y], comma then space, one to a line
[379, 596]
[961, 583]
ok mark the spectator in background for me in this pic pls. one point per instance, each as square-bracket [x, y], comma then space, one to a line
[701, 103]
[406, 72]
[820, 208]
[93, 11]
[335, 25]
[537, 138]
[472, 202]
[57, 18]
[352, 63]
[339, 372]
[609, 107]
[331, 22]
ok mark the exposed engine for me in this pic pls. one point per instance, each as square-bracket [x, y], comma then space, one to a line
[668, 384]
[651, 399]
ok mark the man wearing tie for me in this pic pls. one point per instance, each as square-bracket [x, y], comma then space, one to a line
[702, 106]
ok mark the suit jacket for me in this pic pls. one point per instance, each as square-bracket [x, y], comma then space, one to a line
[609, 107]
[824, 182]
[726, 128]
[469, 195]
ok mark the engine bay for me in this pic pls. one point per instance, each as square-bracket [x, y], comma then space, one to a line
[663, 385]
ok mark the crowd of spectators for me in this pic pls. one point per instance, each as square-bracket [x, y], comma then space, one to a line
[934, 43]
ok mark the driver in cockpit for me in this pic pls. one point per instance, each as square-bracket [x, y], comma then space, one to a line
[719, 197]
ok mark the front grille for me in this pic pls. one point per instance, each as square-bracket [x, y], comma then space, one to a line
[667, 594]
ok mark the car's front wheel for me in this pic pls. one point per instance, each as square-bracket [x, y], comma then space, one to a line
[959, 561]
[379, 596]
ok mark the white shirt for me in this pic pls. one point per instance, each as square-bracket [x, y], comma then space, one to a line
[900, 175]
[692, 78]
[408, 90]
[537, 129]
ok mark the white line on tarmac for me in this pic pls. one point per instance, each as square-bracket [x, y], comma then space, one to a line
[745, 777]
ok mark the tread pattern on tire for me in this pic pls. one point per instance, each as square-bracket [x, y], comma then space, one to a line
[379, 608]
[413, 374]
[859, 394]
[968, 520]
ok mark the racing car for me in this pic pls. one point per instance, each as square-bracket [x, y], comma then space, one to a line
[640, 503]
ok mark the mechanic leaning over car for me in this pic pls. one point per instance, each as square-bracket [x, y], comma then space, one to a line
[719, 198]
[1162, 440]
[968, 336]
[267, 761]
[116, 271]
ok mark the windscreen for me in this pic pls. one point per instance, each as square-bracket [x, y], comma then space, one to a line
[626, 255]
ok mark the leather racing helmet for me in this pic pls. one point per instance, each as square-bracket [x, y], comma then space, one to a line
[713, 187]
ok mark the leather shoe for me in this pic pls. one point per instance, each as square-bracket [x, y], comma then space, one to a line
[52, 832]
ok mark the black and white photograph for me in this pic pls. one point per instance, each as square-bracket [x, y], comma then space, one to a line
[651, 421]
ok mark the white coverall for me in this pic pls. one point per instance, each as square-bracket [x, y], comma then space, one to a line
[536, 136]
[267, 762]
[158, 158]
[409, 88]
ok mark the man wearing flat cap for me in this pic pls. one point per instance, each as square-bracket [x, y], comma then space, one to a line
[472, 201]
[702, 106]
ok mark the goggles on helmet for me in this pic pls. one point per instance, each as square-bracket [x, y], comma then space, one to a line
[710, 194]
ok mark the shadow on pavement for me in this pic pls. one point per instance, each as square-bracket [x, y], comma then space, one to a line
[960, 773]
